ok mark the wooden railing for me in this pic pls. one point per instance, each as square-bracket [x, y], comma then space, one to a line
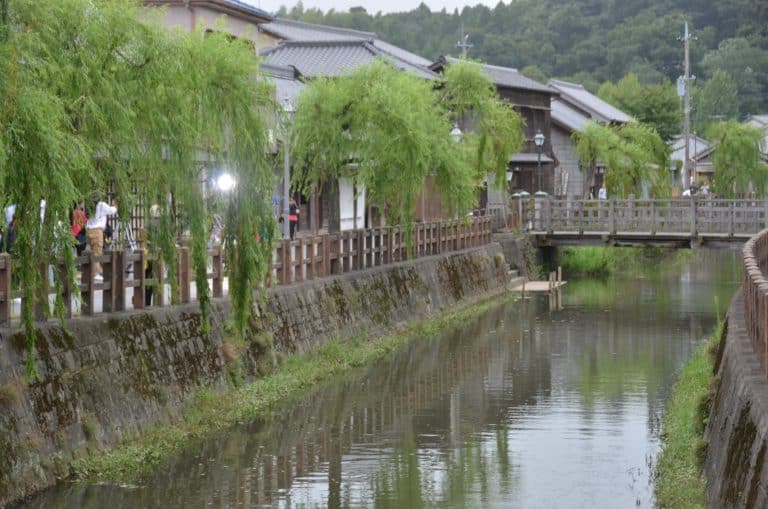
[310, 257]
[294, 261]
[755, 288]
[689, 217]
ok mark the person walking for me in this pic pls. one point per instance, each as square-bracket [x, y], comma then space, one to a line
[78, 221]
[602, 194]
[95, 233]
[293, 216]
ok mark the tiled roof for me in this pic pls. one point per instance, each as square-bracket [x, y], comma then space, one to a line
[696, 147]
[580, 97]
[334, 58]
[758, 120]
[290, 30]
[503, 76]
[247, 7]
[225, 6]
[527, 157]
[569, 118]
[286, 80]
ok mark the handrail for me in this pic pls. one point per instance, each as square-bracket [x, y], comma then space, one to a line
[690, 217]
[295, 260]
[755, 290]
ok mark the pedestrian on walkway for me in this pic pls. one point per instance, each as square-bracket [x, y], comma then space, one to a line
[95, 232]
[78, 220]
[293, 216]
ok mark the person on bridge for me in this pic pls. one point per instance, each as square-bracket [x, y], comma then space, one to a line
[602, 194]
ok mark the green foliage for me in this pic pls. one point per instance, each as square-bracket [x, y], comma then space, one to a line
[91, 96]
[747, 64]
[679, 481]
[655, 104]
[383, 129]
[468, 93]
[590, 261]
[737, 159]
[718, 98]
[634, 155]
[590, 41]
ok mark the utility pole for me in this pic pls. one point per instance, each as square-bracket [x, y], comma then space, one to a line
[464, 43]
[684, 88]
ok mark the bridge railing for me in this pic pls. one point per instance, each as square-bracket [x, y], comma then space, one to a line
[755, 289]
[690, 216]
[136, 280]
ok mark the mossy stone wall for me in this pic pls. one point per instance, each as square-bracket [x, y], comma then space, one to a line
[104, 379]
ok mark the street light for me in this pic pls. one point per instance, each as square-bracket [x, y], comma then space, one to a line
[538, 140]
[456, 133]
[288, 111]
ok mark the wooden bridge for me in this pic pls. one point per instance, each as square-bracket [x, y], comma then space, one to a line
[679, 222]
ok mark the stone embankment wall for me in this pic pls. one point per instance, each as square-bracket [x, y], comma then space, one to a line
[106, 379]
[735, 466]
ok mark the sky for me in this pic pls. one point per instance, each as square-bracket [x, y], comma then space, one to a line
[372, 6]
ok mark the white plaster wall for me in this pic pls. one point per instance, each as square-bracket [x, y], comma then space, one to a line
[347, 205]
[177, 16]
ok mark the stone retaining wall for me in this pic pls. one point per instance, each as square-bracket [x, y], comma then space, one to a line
[108, 378]
[737, 432]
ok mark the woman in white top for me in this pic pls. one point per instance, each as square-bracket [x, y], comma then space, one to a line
[94, 232]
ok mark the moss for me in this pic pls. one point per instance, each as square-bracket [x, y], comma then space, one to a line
[498, 261]
[90, 427]
[737, 458]
[9, 395]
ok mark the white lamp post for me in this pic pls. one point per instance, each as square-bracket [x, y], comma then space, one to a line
[538, 140]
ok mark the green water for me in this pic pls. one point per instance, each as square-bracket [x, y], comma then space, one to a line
[528, 406]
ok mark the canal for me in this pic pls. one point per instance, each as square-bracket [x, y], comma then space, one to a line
[529, 406]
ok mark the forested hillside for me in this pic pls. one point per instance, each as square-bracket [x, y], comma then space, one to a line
[595, 41]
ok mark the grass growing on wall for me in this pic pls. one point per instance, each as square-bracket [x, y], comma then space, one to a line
[213, 412]
[680, 482]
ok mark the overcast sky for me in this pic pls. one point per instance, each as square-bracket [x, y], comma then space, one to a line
[372, 6]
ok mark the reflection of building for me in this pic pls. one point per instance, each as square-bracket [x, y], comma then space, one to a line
[574, 107]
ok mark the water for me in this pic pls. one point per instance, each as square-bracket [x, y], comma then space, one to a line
[525, 407]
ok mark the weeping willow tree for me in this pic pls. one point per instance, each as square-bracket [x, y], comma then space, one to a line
[737, 159]
[470, 96]
[634, 155]
[93, 96]
[384, 129]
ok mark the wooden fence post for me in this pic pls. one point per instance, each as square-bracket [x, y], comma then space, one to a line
[118, 289]
[693, 218]
[218, 269]
[138, 274]
[184, 278]
[326, 270]
[113, 280]
[6, 289]
[159, 271]
[41, 299]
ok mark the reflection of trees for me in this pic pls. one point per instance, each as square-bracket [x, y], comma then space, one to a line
[433, 425]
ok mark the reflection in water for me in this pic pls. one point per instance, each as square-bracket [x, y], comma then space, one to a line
[523, 408]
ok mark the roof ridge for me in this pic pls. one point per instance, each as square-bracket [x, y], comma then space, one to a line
[325, 28]
[568, 84]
